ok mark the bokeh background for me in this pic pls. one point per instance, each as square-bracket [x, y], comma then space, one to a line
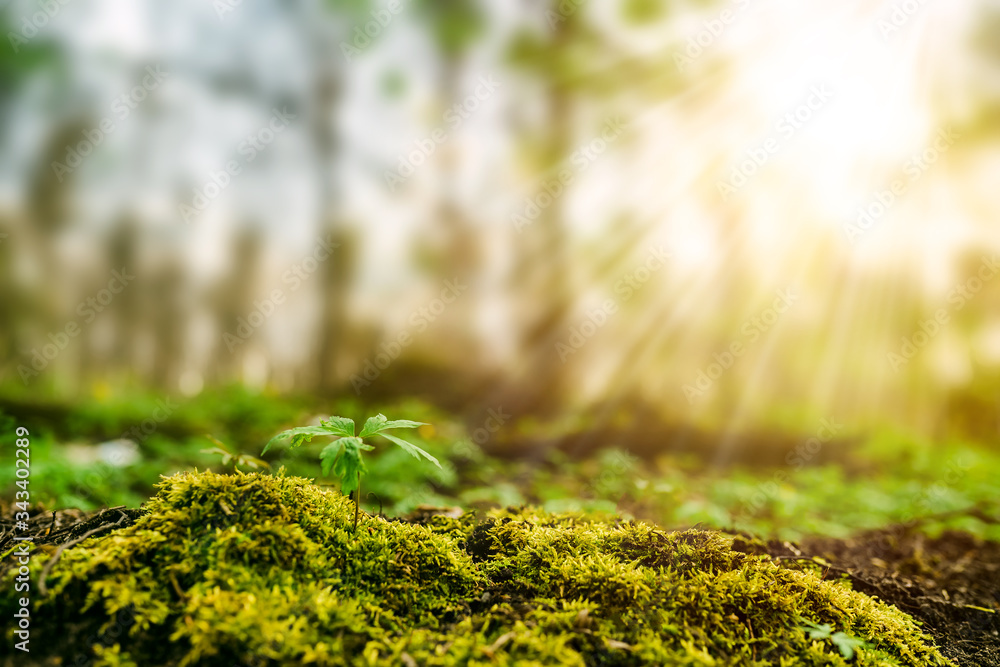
[694, 227]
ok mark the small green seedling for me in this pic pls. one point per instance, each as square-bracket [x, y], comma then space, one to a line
[236, 459]
[844, 642]
[344, 455]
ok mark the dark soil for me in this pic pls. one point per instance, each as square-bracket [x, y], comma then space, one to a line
[950, 583]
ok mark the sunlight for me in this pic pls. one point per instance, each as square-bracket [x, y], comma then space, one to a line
[844, 125]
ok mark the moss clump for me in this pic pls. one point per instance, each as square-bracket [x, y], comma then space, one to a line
[260, 570]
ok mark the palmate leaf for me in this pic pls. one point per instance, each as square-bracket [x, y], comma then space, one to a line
[299, 436]
[816, 631]
[379, 423]
[847, 644]
[415, 452]
[339, 426]
[343, 456]
[330, 454]
[348, 464]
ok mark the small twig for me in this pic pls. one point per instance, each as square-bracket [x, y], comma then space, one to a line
[177, 587]
[49, 531]
[803, 559]
[65, 545]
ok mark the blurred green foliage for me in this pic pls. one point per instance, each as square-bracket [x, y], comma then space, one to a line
[877, 480]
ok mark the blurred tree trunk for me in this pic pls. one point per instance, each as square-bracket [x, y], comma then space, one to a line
[455, 25]
[169, 318]
[336, 272]
[13, 305]
[123, 252]
[581, 71]
[234, 300]
[458, 255]
[336, 276]
[542, 277]
[49, 210]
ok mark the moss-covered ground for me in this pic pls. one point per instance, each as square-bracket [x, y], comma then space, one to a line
[267, 570]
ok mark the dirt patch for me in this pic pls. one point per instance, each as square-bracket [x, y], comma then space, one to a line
[950, 583]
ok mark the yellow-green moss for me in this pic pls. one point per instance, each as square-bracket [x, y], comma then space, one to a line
[262, 570]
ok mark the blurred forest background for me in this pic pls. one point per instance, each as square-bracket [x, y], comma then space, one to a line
[674, 220]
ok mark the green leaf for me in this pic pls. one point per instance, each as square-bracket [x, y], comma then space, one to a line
[349, 464]
[299, 436]
[815, 631]
[380, 423]
[215, 450]
[415, 452]
[846, 644]
[340, 426]
[328, 457]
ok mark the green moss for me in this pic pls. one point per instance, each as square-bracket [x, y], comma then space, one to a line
[263, 570]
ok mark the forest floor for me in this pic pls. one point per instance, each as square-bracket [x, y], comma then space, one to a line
[911, 522]
[950, 584]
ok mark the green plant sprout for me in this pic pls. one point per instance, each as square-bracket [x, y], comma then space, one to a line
[344, 455]
[845, 643]
[237, 459]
